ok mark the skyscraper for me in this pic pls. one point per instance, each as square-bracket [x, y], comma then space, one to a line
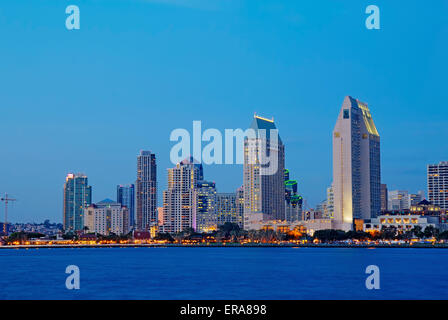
[227, 208]
[403, 200]
[77, 197]
[178, 199]
[384, 197]
[146, 206]
[356, 165]
[263, 174]
[398, 200]
[416, 198]
[126, 197]
[438, 184]
[293, 201]
[205, 207]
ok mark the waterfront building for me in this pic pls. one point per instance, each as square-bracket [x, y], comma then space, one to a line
[77, 197]
[402, 222]
[126, 197]
[146, 193]
[384, 197]
[263, 173]
[107, 217]
[426, 208]
[179, 198]
[356, 165]
[227, 209]
[438, 184]
[204, 207]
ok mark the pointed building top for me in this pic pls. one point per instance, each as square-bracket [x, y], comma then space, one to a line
[261, 123]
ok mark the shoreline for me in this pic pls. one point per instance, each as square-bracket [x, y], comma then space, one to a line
[360, 246]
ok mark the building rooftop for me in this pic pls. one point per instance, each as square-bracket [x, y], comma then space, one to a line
[260, 123]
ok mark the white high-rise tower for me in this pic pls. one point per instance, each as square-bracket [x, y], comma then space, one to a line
[356, 165]
[263, 181]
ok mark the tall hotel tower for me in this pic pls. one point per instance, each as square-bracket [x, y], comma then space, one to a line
[438, 184]
[179, 199]
[263, 182]
[356, 165]
[146, 189]
[126, 197]
[77, 197]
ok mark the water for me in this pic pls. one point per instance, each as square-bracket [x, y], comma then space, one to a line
[223, 273]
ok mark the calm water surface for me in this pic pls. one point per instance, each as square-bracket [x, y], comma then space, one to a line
[223, 273]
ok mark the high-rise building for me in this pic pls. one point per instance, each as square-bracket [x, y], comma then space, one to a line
[227, 208]
[330, 202]
[77, 197]
[384, 197]
[179, 198]
[146, 185]
[293, 201]
[263, 174]
[126, 197]
[240, 205]
[107, 217]
[438, 184]
[416, 198]
[205, 207]
[403, 200]
[356, 165]
[398, 200]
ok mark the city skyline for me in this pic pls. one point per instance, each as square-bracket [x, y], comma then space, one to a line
[134, 81]
[143, 154]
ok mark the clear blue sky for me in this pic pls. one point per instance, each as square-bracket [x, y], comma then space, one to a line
[88, 100]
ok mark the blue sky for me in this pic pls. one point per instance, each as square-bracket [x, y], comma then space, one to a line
[88, 100]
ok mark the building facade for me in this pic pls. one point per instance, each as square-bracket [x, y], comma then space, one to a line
[205, 207]
[126, 197]
[77, 197]
[356, 165]
[240, 205]
[398, 200]
[438, 184]
[179, 198]
[384, 197]
[228, 208]
[263, 173]
[416, 198]
[107, 217]
[293, 201]
[402, 222]
[146, 185]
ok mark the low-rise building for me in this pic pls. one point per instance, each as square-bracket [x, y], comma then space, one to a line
[404, 222]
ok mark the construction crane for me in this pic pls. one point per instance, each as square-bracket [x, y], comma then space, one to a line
[6, 200]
